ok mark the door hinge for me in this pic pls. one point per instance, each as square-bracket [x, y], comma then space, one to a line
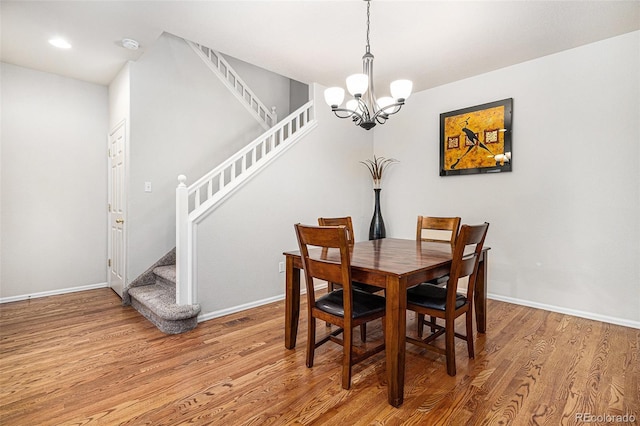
[109, 263]
[109, 207]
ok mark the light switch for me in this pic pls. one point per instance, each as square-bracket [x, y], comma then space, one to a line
[147, 187]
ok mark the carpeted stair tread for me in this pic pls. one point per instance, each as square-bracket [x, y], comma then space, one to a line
[167, 272]
[153, 294]
[163, 302]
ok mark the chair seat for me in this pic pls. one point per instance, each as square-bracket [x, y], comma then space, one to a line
[366, 287]
[432, 297]
[363, 303]
[440, 280]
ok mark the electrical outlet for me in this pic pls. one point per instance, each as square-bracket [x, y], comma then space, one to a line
[147, 187]
[281, 267]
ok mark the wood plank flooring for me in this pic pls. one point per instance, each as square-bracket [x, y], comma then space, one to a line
[83, 359]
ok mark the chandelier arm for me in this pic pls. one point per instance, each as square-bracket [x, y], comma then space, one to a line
[350, 113]
[381, 118]
[366, 112]
[383, 111]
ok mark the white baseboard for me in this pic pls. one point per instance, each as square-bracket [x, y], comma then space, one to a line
[51, 293]
[257, 303]
[543, 306]
[576, 313]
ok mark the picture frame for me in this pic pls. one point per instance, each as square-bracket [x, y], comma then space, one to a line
[476, 139]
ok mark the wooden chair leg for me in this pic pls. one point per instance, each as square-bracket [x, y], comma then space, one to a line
[470, 333]
[450, 346]
[433, 319]
[363, 332]
[311, 341]
[347, 342]
[420, 324]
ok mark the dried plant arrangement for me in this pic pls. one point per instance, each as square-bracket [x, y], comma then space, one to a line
[377, 166]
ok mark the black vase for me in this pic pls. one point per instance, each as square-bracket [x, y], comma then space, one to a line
[376, 230]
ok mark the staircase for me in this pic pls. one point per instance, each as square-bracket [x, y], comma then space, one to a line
[157, 302]
[153, 294]
[166, 293]
[223, 70]
[195, 202]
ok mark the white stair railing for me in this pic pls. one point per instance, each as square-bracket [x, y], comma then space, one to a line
[195, 202]
[220, 67]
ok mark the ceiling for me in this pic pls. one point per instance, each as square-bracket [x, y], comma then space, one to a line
[429, 42]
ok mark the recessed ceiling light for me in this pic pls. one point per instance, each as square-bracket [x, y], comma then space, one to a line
[130, 43]
[60, 43]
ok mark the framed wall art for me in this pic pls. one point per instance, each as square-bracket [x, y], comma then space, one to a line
[476, 139]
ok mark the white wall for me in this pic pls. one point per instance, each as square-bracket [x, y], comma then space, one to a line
[120, 98]
[565, 224]
[298, 94]
[241, 242]
[183, 121]
[54, 187]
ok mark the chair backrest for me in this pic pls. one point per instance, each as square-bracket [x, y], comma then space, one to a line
[337, 221]
[332, 263]
[438, 229]
[465, 260]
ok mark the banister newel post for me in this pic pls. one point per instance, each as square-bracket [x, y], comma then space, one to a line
[182, 242]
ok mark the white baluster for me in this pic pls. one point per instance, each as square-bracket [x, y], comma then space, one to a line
[274, 116]
[253, 156]
[197, 199]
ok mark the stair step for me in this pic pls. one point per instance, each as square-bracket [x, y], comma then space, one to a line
[166, 277]
[157, 302]
[167, 272]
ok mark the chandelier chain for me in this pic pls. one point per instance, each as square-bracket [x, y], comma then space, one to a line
[368, 18]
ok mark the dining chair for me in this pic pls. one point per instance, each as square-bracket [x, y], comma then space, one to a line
[438, 229]
[346, 221]
[337, 221]
[346, 307]
[445, 302]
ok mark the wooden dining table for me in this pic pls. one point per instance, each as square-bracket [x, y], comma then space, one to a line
[394, 265]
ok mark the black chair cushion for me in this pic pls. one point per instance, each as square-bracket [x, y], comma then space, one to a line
[363, 303]
[440, 280]
[432, 297]
[366, 287]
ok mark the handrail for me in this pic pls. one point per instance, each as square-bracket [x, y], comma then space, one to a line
[195, 202]
[214, 60]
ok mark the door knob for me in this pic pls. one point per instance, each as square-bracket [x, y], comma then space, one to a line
[119, 220]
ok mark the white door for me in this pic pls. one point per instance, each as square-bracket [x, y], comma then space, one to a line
[117, 196]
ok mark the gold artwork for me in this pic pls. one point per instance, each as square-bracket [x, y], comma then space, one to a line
[476, 151]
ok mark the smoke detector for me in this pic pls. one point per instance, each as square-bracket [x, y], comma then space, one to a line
[130, 44]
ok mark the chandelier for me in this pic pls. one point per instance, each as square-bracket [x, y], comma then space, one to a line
[365, 109]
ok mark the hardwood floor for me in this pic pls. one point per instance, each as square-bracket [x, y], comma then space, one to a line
[82, 358]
